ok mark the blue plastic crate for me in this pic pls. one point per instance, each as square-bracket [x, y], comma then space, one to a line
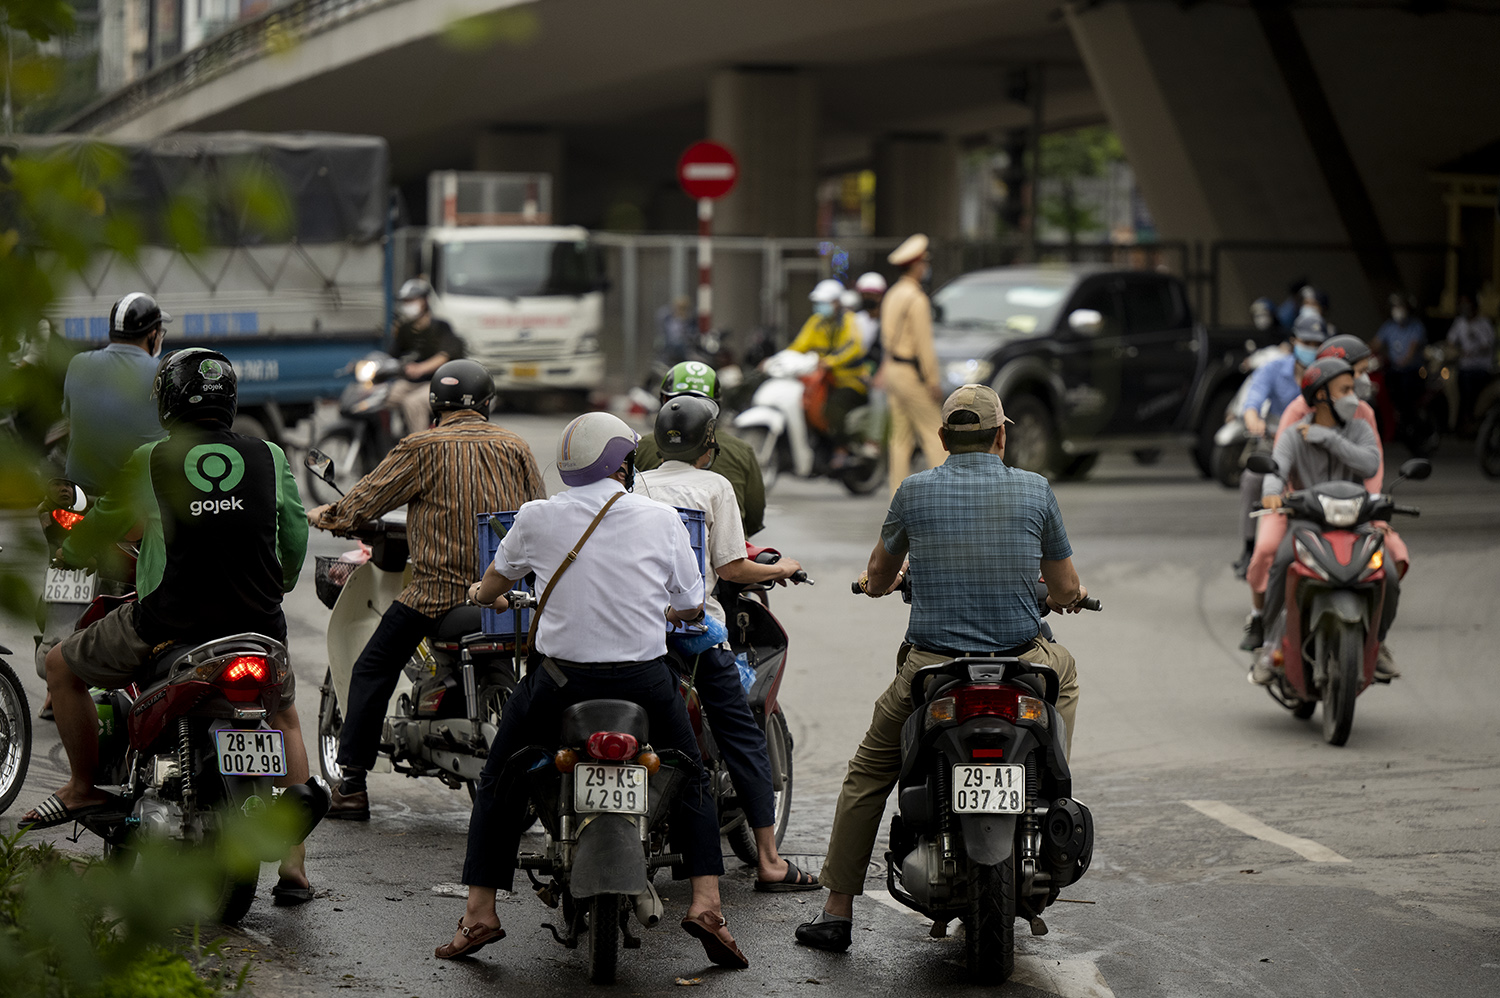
[492, 528]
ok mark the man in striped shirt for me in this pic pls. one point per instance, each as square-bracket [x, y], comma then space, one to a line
[446, 476]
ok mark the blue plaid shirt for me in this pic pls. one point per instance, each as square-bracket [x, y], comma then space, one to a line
[976, 532]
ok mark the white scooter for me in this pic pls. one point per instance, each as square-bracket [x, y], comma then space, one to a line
[775, 425]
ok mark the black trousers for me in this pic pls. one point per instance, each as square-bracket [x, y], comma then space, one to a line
[740, 739]
[531, 717]
[374, 680]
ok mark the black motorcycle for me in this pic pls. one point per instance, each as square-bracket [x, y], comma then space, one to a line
[15, 733]
[987, 830]
[364, 432]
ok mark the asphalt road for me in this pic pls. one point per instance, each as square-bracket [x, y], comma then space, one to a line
[1297, 868]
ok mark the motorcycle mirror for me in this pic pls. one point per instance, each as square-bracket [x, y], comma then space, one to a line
[1086, 321]
[319, 464]
[1261, 464]
[81, 501]
[1417, 469]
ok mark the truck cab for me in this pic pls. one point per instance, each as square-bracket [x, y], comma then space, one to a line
[525, 296]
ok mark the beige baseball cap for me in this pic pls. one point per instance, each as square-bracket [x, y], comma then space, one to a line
[982, 401]
[912, 249]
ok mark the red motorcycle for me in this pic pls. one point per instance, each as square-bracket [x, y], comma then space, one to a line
[1335, 596]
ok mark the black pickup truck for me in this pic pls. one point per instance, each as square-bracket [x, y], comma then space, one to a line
[1088, 359]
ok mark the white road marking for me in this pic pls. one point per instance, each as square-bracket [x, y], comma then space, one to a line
[1314, 852]
[1079, 978]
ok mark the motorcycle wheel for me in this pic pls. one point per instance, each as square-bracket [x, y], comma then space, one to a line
[15, 736]
[1487, 444]
[336, 443]
[1344, 649]
[758, 437]
[492, 700]
[990, 929]
[604, 937]
[862, 479]
[235, 898]
[779, 749]
[1226, 466]
[330, 724]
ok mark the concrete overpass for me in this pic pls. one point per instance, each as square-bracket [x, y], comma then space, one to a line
[1251, 126]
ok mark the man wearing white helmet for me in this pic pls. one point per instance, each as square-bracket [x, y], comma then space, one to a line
[614, 569]
[831, 333]
[871, 289]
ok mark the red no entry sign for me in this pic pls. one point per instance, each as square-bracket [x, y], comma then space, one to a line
[707, 170]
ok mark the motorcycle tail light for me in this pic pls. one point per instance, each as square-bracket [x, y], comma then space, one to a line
[66, 518]
[991, 700]
[242, 677]
[612, 746]
[565, 760]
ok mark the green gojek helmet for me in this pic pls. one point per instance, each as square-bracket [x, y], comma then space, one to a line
[690, 378]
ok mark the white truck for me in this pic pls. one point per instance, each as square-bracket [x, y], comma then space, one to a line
[526, 296]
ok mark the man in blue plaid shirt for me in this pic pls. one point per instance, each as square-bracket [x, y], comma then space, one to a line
[973, 533]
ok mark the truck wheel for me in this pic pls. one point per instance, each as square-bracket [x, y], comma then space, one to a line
[1031, 443]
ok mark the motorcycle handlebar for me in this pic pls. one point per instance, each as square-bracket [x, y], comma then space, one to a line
[1090, 603]
[1407, 510]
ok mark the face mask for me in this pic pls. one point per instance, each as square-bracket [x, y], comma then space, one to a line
[1305, 355]
[1344, 408]
[1262, 321]
[1364, 388]
[411, 309]
[156, 347]
[823, 308]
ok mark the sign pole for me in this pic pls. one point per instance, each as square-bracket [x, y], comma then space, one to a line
[705, 264]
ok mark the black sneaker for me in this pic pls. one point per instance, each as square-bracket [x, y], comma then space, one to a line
[1255, 633]
[835, 937]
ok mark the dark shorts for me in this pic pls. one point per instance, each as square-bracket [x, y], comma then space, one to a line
[109, 652]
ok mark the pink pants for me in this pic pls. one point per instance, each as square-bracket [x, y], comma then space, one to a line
[1272, 529]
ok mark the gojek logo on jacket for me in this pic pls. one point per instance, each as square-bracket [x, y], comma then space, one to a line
[210, 468]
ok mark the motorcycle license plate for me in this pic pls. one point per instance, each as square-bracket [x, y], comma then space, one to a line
[251, 753]
[989, 789]
[69, 585]
[617, 789]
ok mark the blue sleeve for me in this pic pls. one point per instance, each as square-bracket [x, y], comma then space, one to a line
[893, 530]
[1054, 537]
[1260, 388]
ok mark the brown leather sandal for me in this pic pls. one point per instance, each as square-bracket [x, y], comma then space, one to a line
[705, 928]
[476, 938]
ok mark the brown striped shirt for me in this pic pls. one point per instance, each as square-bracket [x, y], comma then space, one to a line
[446, 476]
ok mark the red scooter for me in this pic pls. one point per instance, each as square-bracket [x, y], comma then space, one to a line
[1336, 595]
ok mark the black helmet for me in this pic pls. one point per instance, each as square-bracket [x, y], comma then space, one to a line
[134, 316]
[685, 427]
[1346, 347]
[415, 288]
[1317, 376]
[461, 384]
[195, 384]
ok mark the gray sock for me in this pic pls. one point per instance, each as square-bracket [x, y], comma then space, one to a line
[823, 916]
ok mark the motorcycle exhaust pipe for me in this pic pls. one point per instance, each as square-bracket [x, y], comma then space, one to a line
[648, 909]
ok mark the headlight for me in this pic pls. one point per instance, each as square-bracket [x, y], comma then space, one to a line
[969, 372]
[1306, 558]
[587, 343]
[1341, 512]
[364, 371]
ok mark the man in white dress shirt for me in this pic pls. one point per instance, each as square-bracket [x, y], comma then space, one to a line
[602, 635]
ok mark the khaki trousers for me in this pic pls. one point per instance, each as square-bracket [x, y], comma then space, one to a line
[411, 398]
[877, 763]
[914, 416]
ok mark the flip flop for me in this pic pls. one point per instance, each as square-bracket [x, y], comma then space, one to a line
[705, 928]
[289, 895]
[476, 938]
[53, 812]
[794, 881]
[45, 714]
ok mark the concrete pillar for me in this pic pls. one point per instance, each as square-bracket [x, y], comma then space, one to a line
[769, 118]
[1222, 132]
[524, 150]
[916, 186]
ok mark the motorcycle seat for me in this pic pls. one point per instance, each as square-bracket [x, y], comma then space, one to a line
[160, 666]
[459, 621]
[584, 719]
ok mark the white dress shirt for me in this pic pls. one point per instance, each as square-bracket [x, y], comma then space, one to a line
[610, 605]
[681, 484]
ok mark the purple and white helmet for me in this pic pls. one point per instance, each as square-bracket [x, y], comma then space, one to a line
[593, 447]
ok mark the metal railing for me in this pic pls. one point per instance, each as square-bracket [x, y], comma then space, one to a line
[275, 31]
